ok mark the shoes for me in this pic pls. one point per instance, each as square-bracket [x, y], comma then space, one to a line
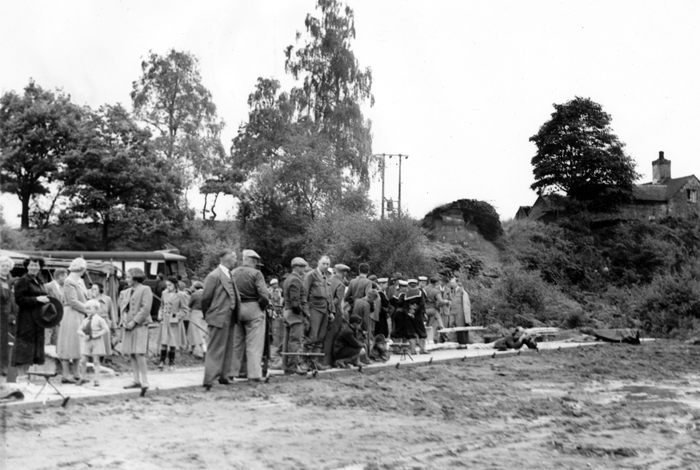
[424, 351]
[97, 383]
[133, 385]
[224, 382]
[81, 382]
[320, 366]
[365, 360]
[256, 380]
[144, 389]
[207, 387]
[67, 380]
[161, 365]
[341, 365]
[242, 376]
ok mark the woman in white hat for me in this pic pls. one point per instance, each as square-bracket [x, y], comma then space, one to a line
[68, 344]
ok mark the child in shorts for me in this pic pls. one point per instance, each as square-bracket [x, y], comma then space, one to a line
[91, 343]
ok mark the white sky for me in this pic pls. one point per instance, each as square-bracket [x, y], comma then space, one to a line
[460, 86]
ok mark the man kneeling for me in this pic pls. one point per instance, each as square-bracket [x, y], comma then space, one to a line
[347, 349]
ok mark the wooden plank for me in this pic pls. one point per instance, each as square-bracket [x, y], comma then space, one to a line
[303, 354]
[461, 328]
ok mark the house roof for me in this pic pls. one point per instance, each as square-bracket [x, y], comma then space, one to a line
[661, 191]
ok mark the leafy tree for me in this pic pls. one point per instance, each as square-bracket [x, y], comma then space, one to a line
[179, 109]
[224, 179]
[114, 175]
[577, 153]
[478, 213]
[334, 85]
[36, 130]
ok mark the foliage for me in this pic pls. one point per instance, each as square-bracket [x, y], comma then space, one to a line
[114, 174]
[334, 85]
[171, 99]
[388, 245]
[36, 130]
[577, 153]
[480, 214]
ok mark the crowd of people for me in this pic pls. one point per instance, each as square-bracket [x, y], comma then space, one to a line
[329, 320]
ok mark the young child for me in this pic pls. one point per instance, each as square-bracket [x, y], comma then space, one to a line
[91, 343]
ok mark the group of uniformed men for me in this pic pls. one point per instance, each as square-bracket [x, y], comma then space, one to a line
[317, 305]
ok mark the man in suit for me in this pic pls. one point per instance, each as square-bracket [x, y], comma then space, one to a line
[358, 287]
[220, 306]
[318, 296]
[55, 289]
[249, 332]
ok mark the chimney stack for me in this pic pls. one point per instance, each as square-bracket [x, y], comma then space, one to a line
[661, 169]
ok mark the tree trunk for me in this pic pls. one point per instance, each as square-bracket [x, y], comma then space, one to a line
[105, 233]
[25, 211]
[213, 214]
[204, 210]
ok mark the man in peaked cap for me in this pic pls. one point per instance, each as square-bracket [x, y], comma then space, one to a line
[382, 326]
[249, 332]
[318, 295]
[295, 313]
[337, 289]
[416, 299]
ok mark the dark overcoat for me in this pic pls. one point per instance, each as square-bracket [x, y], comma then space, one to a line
[29, 339]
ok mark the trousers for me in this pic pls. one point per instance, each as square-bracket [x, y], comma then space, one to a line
[217, 362]
[293, 337]
[249, 340]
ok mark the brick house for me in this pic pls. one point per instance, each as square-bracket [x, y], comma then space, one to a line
[663, 196]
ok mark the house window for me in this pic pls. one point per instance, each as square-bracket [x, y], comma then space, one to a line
[692, 196]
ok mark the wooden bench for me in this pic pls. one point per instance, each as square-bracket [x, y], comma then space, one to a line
[314, 366]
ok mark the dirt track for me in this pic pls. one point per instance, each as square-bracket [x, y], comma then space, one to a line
[611, 406]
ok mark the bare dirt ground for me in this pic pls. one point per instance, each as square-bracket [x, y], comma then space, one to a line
[610, 406]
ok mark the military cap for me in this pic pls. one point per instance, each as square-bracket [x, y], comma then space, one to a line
[402, 282]
[342, 267]
[422, 278]
[412, 281]
[382, 280]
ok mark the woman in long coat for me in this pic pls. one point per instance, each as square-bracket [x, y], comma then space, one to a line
[68, 344]
[197, 330]
[30, 295]
[173, 310]
[8, 313]
[135, 314]
[460, 309]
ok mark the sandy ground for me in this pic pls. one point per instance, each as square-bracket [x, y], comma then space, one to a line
[615, 406]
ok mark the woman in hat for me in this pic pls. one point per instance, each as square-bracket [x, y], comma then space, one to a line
[30, 297]
[8, 312]
[135, 309]
[68, 344]
[171, 334]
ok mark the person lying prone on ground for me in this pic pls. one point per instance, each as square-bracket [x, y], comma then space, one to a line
[516, 340]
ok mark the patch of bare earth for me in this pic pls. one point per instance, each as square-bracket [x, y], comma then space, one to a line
[612, 406]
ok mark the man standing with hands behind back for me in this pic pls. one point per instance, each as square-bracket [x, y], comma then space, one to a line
[249, 333]
[220, 306]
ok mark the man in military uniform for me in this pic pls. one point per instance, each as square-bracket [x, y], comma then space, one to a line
[249, 332]
[318, 296]
[337, 288]
[295, 312]
[382, 326]
[416, 301]
[433, 304]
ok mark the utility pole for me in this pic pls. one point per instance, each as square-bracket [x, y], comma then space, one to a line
[383, 164]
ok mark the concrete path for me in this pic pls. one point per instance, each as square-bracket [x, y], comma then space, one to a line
[191, 378]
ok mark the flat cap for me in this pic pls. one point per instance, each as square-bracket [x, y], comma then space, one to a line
[299, 262]
[422, 278]
[397, 276]
[382, 280]
[402, 282]
[250, 254]
[274, 281]
[412, 281]
[342, 267]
